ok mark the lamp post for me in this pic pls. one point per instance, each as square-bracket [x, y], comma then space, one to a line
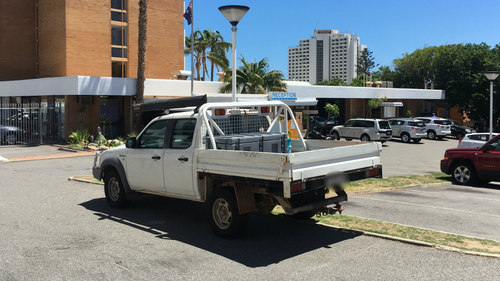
[234, 13]
[492, 76]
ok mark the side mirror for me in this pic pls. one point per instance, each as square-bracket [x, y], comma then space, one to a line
[488, 147]
[131, 143]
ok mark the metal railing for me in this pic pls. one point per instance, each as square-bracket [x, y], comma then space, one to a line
[32, 123]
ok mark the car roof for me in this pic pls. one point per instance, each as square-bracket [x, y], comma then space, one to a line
[481, 134]
[405, 119]
[432, 118]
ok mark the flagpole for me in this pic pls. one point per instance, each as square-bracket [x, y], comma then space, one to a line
[192, 48]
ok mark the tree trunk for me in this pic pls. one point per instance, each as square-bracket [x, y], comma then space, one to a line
[141, 61]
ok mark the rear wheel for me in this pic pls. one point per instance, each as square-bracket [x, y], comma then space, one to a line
[365, 138]
[463, 174]
[10, 139]
[405, 137]
[114, 191]
[225, 218]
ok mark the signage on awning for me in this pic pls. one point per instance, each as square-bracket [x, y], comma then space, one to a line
[283, 96]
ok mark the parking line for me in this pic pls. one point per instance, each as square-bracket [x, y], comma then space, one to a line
[458, 195]
[429, 206]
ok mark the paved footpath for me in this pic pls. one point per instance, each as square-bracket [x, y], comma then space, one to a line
[23, 153]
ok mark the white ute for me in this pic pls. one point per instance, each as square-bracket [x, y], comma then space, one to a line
[238, 158]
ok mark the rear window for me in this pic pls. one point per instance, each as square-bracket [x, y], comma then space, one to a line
[442, 122]
[416, 123]
[383, 125]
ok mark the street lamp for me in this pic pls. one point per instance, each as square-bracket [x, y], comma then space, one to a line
[492, 76]
[234, 13]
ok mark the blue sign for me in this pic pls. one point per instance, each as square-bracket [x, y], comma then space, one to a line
[283, 96]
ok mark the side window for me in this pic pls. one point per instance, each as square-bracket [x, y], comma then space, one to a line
[496, 144]
[393, 122]
[369, 124]
[476, 137]
[360, 124]
[154, 136]
[183, 133]
[349, 123]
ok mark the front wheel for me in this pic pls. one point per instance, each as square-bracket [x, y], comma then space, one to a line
[463, 174]
[431, 135]
[335, 135]
[114, 191]
[405, 138]
[225, 218]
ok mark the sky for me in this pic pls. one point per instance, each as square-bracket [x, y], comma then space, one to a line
[389, 28]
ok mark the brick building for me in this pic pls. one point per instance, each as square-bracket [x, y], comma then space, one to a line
[59, 38]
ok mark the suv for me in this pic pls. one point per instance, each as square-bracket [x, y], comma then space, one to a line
[408, 129]
[436, 127]
[466, 165]
[363, 129]
[458, 130]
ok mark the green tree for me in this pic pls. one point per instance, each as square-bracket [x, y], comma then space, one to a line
[384, 73]
[365, 62]
[415, 69]
[331, 109]
[199, 48]
[372, 104]
[218, 48]
[254, 78]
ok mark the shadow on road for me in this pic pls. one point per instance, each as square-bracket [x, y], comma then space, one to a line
[268, 239]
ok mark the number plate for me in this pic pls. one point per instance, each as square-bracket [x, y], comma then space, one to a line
[389, 133]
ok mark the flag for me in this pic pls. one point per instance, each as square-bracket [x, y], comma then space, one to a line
[188, 15]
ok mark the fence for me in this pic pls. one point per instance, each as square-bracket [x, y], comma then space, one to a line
[31, 123]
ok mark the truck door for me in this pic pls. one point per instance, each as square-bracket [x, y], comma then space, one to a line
[489, 162]
[178, 160]
[145, 163]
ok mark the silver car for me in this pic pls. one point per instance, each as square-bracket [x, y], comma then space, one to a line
[365, 129]
[476, 140]
[436, 127]
[408, 129]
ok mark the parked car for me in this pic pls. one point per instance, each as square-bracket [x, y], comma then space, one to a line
[476, 140]
[365, 129]
[436, 127]
[408, 129]
[320, 123]
[458, 130]
[10, 135]
[469, 165]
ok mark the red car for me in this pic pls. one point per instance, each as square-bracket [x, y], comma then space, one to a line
[469, 165]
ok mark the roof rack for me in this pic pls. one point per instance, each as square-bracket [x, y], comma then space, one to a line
[162, 105]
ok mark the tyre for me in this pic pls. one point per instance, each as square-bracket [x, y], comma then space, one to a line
[10, 139]
[335, 135]
[463, 174]
[405, 137]
[416, 140]
[431, 135]
[304, 215]
[225, 219]
[114, 191]
[365, 138]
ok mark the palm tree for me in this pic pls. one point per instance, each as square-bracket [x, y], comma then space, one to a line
[253, 78]
[218, 47]
[141, 60]
[204, 41]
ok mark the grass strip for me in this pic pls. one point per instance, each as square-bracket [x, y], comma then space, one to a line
[393, 182]
[407, 232]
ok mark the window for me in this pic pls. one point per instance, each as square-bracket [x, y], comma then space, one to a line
[154, 136]
[183, 133]
[119, 51]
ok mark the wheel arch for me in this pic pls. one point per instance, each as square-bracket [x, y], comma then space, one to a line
[113, 163]
[462, 161]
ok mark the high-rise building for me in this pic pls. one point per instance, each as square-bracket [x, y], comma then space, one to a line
[325, 56]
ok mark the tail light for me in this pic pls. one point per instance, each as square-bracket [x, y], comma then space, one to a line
[220, 112]
[296, 187]
[265, 109]
[460, 139]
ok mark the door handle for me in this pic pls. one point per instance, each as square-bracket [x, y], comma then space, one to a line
[183, 159]
[156, 157]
